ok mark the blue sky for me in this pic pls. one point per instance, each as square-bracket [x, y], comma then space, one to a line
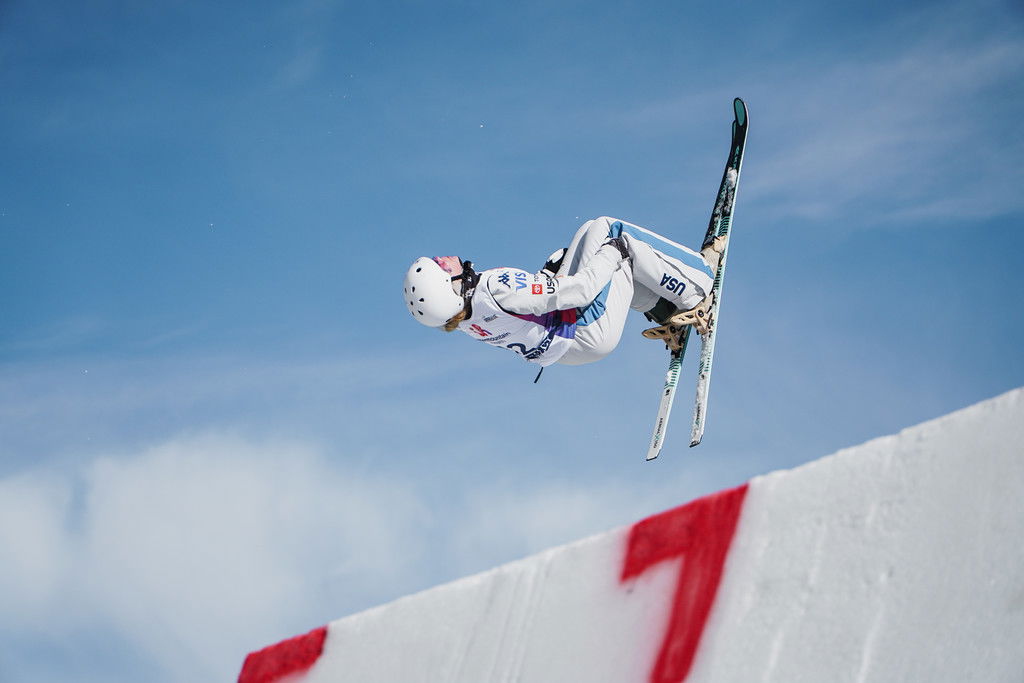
[211, 395]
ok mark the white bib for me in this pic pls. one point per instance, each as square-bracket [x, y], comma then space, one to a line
[541, 339]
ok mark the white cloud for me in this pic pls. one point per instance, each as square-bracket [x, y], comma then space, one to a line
[200, 549]
[33, 510]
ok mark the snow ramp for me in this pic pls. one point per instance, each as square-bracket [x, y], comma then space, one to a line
[898, 560]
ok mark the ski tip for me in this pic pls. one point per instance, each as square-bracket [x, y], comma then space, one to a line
[695, 443]
[740, 107]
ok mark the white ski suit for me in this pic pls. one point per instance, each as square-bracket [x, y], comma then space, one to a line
[577, 317]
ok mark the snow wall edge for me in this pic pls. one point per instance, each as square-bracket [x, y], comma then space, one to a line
[897, 559]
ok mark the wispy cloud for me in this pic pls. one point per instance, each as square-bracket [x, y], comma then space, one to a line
[307, 30]
[907, 127]
[903, 138]
[80, 405]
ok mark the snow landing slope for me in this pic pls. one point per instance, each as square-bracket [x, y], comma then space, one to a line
[899, 560]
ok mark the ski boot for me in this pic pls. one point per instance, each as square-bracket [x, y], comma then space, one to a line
[671, 321]
[671, 329]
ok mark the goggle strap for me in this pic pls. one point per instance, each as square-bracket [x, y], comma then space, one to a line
[471, 279]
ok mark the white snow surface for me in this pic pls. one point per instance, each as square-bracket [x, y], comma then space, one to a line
[898, 560]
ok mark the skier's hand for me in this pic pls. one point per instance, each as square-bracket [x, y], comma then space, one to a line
[619, 244]
[554, 262]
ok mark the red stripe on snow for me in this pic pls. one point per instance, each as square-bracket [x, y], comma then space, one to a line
[292, 656]
[699, 532]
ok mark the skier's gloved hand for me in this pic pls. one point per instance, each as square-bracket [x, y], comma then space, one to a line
[554, 262]
[619, 244]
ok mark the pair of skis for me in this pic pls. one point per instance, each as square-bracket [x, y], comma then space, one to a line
[720, 225]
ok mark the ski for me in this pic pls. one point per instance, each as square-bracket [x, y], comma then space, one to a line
[719, 225]
[668, 395]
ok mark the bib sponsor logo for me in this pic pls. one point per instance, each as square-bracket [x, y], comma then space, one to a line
[541, 284]
[520, 281]
[479, 330]
[534, 353]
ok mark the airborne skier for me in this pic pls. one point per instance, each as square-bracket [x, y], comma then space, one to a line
[574, 310]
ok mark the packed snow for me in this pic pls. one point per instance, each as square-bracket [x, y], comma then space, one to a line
[897, 560]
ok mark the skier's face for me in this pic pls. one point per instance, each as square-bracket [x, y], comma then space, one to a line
[453, 266]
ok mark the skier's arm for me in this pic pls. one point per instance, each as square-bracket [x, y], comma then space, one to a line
[545, 294]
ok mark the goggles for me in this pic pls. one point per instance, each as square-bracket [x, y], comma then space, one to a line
[458, 269]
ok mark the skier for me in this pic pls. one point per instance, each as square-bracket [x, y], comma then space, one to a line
[573, 311]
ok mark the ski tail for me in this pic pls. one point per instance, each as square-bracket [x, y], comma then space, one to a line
[667, 397]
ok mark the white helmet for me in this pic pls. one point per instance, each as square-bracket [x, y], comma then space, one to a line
[430, 293]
